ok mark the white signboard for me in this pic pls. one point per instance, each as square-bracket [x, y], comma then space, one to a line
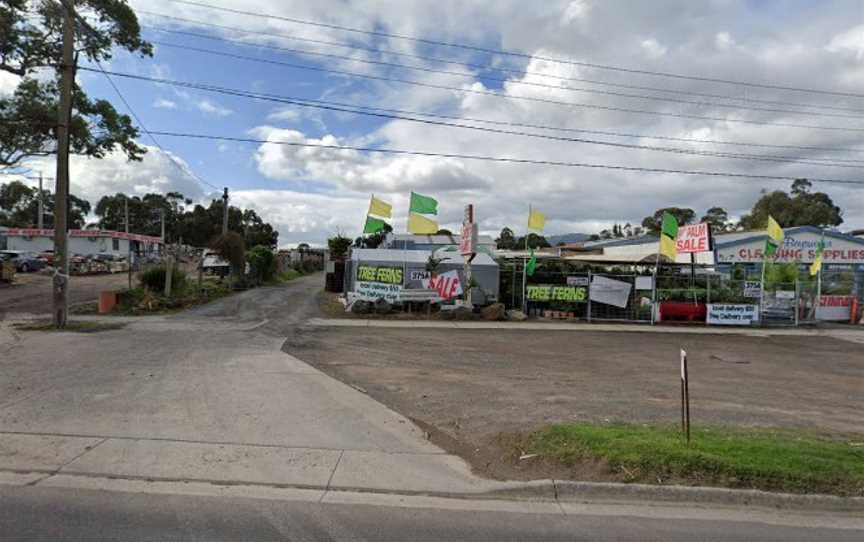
[577, 281]
[834, 307]
[447, 284]
[799, 247]
[373, 291]
[732, 315]
[693, 238]
[784, 294]
[420, 275]
[753, 290]
[609, 291]
[645, 282]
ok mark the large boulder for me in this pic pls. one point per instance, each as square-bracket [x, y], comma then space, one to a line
[382, 306]
[459, 313]
[361, 307]
[494, 312]
[516, 315]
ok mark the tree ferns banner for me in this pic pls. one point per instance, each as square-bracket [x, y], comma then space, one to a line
[544, 292]
[423, 204]
[382, 274]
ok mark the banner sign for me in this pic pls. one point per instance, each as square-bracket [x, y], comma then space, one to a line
[752, 289]
[385, 275]
[784, 294]
[468, 241]
[448, 284]
[577, 281]
[732, 315]
[799, 247]
[609, 291]
[542, 292]
[373, 291]
[644, 282]
[834, 307]
[693, 238]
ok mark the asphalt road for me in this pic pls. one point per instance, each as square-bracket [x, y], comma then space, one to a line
[50, 514]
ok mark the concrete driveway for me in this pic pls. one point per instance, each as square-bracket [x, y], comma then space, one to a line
[206, 396]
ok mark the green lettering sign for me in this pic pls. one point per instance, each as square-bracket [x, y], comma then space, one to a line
[568, 294]
[385, 275]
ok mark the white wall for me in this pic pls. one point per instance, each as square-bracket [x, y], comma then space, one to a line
[77, 245]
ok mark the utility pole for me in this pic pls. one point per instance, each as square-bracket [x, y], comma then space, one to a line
[163, 224]
[225, 211]
[40, 222]
[61, 193]
[126, 212]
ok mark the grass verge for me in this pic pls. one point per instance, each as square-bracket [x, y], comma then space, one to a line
[75, 326]
[772, 460]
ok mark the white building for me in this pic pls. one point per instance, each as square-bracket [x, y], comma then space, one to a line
[81, 242]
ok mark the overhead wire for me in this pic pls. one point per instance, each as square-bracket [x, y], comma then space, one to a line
[503, 96]
[502, 52]
[525, 83]
[331, 106]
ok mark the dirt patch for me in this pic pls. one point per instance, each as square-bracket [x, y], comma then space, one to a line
[31, 292]
[468, 387]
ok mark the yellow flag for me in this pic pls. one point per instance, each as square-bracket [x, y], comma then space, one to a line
[380, 208]
[536, 220]
[816, 265]
[420, 225]
[774, 231]
[667, 247]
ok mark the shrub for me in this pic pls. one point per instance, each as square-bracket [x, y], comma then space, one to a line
[338, 246]
[262, 262]
[153, 279]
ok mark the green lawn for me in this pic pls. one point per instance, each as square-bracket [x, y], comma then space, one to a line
[762, 459]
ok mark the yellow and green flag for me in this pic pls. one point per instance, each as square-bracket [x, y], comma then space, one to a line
[420, 225]
[373, 225]
[668, 234]
[775, 237]
[531, 266]
[423, 205]
[816, 266]
[380, 208]
[536, 219]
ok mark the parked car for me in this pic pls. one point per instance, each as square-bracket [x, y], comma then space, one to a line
[24, 261]
[48, 256]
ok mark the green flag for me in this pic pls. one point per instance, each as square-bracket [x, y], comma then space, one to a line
[423, 205]
[374, 225]
[770, 247]
[531, 266]
[670, 226]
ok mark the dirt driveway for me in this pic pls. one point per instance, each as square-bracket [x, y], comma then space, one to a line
[31, 292]
[474, 384]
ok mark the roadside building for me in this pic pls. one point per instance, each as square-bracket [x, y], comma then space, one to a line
[81, 242]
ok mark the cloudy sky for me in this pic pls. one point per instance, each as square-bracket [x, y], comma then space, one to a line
[312, 193]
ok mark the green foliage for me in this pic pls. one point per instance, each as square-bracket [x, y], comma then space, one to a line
[534, 241]
[691, 295]
[798, 208]
[30, 39]
[761, 459]
[781, 273]
[289, 275]
[682, 215]
[338, 245]
[506, 240]
[153, 279]
[262, 263]
[232, 249]
[19, 207]
[373, 240]
[717, 219]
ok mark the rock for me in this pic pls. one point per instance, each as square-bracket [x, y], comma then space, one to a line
[382, 307]
[516, 315]
[494, 312]
[361, 307]
[459, 313]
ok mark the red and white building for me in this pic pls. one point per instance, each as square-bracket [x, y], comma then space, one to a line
[81, 242]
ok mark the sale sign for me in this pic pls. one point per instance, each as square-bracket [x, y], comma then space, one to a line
[446, 284]
[693, 238]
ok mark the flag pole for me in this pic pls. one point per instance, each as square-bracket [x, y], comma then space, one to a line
[525, 265]
[819, 278]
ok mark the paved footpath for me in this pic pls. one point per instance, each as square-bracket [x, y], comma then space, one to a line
[207, 404]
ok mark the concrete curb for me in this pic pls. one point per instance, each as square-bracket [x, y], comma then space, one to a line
[557, 491]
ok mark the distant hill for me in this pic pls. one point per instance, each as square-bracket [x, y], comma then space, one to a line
[568, 238]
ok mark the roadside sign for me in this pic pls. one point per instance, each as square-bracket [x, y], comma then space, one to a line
[693, 238]
[468, 242]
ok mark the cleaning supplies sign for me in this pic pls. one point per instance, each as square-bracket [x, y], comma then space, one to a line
[541, 293]
[382, 274]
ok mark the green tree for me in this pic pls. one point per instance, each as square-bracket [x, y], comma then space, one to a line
[801, 207]
[506, 240]
[534, 241]
[373, 240]
[19, 207]
[338, 246]
[717, 219]
[30, 39]
[682, 215]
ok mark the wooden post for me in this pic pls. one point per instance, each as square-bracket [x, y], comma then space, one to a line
[685, 397]
[61, 193]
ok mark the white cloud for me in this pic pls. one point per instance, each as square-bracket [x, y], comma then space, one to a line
[163, 103]
[653, 48]
[723, 41]
[207, 106]
[8, 83]
[851, 41]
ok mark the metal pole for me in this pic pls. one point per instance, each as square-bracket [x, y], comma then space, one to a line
[687, 397]
[225, 211]
[797, 302]
[589, 295]
[61, 193]
[126, 212]
[40, 223]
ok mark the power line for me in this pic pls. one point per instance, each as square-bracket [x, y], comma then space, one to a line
[506, 159]
[331, 106]
[502, 52]
[185, 171]
[516, 82]
[497, 95]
